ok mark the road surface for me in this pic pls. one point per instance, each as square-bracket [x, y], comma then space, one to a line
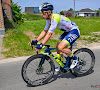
[10, 77]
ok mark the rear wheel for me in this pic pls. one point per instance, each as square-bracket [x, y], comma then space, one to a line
[35, 75]
[86, 63]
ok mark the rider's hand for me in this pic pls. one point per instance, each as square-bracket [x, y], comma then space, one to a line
[33, 42]
[38, 47]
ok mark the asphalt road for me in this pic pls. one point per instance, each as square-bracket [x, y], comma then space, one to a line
[10, 77]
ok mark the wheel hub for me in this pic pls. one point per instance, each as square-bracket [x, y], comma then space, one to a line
[39, 71]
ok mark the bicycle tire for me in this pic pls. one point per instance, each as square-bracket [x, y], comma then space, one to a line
[92, 56]
[29, 62]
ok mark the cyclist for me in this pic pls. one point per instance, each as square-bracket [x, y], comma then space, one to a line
[70, 35]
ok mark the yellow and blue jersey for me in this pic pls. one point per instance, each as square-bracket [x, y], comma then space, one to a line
[61, 21]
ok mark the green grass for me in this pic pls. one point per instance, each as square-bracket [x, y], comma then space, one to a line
[88, 25]
[36, 26]
[31, 17]
[89, 39]
[15, 42]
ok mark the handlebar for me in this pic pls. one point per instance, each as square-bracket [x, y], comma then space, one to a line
[44, 46]
[43, 52]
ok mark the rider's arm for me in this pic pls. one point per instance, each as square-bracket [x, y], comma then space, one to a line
[50, 31]
[53, 26]
[46, 38]
[42, 34]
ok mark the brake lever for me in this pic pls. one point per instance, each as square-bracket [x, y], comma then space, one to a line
[32, 49]
[32, 44]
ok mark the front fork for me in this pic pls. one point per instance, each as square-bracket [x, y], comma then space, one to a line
[42, 62]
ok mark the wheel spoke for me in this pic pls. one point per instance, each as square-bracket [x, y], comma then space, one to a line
[35, 74]
[85, 56]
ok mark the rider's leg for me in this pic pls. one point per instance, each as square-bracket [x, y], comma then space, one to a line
[60, 39]
[68, 52]
[63, 48]
[58, 51]
[61, 54]
[69, 39]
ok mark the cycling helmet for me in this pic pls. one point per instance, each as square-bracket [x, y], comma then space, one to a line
[46, 6]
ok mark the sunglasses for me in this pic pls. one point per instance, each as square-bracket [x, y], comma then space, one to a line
[44, 12]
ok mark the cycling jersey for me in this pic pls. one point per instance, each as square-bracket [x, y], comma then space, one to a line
[61, 21]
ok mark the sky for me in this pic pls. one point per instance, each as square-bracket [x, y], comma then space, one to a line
[60, 5]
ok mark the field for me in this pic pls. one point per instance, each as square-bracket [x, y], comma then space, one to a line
[15, 41]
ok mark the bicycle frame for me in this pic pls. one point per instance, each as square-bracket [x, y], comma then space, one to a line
[48, 52]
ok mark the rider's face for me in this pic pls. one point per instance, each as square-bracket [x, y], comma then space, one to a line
[44, 14]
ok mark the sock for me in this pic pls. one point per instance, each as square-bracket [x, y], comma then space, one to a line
[71, 55]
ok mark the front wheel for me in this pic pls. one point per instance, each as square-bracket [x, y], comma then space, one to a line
[86, 63]
[34, 74]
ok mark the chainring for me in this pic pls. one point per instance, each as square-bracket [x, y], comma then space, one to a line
[64, 70]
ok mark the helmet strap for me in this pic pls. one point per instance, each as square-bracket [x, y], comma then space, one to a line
[48, 15]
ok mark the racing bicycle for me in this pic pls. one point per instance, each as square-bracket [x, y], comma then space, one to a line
[39, 69]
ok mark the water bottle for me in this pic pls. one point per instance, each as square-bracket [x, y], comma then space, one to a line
[59, 57]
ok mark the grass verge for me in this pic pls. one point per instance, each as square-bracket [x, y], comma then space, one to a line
[15, 42]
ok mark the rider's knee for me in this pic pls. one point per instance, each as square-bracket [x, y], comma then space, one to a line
[60, 48]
